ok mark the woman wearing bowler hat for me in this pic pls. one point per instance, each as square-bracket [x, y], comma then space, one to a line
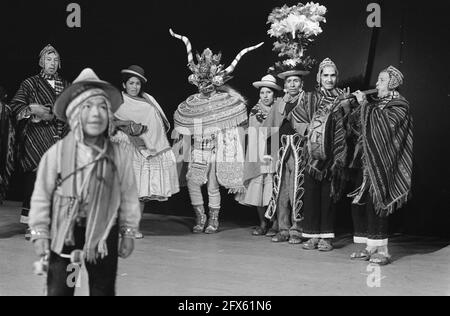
[258, 173]
[153, 160]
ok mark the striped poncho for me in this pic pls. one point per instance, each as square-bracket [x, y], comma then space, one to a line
[387, 150]
[35, 138]
[6, 149]
[387, 138]
[330, 168]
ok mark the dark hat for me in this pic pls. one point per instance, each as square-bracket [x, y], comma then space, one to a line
[86, 80]
[294, 72]
[135, 70]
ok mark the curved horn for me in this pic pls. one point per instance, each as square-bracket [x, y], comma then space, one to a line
[187, 43]
[239, 56]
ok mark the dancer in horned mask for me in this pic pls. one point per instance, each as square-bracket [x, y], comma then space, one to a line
[209, 133]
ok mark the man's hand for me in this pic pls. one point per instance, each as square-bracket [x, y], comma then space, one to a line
[41, 247]
[39, 110]
[47, 117]
[267, 159]
[360, 97]
[126, 247]
[346, 92]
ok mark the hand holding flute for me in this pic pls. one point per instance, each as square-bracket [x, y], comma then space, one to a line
[348, 99]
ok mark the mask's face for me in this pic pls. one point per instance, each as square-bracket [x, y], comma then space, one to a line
[94, 116]
[133, 86]
[328, 78]
[51, 63]
[266, 96]
[293, 85]
[382, 84]
[206, 88]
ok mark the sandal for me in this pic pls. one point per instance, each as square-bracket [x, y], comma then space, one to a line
[325, 245]
[28, 234]
[380, 259]
[294, 240]
[259, 231]
[279, 237]
[360, 255]
[138, 235]
[310, 244]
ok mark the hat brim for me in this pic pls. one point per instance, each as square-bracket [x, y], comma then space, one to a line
[289, 73]
[134, 73]
[75, 89]
[267, 84]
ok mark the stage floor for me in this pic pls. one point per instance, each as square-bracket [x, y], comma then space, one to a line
[170, 260]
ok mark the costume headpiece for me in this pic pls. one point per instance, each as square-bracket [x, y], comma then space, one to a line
[295, 28]
[395, 77]
[208, 73]
[327, 62]
[45, 51]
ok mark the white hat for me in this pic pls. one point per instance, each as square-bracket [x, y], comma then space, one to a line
[86, 80]
[268, 81]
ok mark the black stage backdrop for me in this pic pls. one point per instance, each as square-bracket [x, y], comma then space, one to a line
[116, 34]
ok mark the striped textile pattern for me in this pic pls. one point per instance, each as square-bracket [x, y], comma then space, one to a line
[387, 139]
[34, 139]
[6, 149]
[304, 112]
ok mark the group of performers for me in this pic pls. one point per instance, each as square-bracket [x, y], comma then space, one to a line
[92, 156]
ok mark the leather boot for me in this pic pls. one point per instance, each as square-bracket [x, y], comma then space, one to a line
[200, 219]
[213, 221]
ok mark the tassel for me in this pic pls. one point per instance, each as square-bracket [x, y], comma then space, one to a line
[102, 248]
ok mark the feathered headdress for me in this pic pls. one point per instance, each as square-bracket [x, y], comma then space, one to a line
[208, 73]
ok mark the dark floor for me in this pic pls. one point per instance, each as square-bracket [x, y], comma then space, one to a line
[172, 261]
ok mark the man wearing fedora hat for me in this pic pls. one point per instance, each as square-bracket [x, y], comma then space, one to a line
[85, 191]
[37, 127]
[286, 202]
